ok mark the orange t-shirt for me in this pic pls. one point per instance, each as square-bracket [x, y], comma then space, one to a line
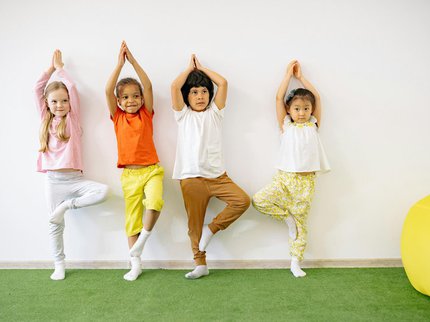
[134, 137]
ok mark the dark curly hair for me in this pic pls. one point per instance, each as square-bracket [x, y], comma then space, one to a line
[197, 78]
[127, 81]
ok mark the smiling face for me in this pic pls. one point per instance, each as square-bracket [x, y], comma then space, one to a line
[130, 98]
[300, 110]
[198, 98]
[58, 102]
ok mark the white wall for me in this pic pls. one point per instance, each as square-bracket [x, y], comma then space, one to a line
[368, 59]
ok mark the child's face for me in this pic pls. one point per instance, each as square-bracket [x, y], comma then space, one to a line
[130, 98]
[300, 110]
[58, 102]
[198, 98]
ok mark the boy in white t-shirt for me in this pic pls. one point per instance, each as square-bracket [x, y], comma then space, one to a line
[199, 163]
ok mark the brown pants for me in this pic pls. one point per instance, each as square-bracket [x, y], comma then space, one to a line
[197, 193]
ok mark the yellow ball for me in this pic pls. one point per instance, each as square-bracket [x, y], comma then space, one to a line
[415, 245]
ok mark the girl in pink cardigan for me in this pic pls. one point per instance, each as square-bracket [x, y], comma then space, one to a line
[60, 154]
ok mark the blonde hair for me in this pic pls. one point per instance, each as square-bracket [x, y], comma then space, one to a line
[47, 120]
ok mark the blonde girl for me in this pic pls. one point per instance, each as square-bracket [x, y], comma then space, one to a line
[60, 154]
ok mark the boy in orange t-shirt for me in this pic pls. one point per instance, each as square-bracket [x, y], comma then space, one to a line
[131, 110]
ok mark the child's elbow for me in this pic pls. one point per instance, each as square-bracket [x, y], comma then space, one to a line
[175, 87]
[223, 83]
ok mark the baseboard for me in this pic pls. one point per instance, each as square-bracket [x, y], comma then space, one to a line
[215, 264]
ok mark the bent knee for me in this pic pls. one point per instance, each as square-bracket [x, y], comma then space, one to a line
[154, 204]
[242, 202]
[103, 192]
[258, 201]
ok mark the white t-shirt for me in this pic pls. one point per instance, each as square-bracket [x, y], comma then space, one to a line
[199, 146]
[301, 148]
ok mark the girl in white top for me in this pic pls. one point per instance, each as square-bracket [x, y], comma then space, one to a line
[302, 155]
[199, 161]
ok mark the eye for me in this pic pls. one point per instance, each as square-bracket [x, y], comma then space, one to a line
[205, 91]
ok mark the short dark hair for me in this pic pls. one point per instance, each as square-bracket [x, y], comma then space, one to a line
[127, 81]
[300, 93]
[197, 78]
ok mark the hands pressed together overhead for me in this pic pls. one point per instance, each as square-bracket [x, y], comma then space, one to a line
[124, 54]
[294, 69]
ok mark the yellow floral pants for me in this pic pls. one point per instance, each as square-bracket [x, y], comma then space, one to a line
[289, 194]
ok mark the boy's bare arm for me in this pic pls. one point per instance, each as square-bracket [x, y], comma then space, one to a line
[220, 82]
[177, 99]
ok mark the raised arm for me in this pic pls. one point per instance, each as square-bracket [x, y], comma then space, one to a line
[177, 99]
[144, 79]
[41, 84]
[281, 110]
[110, 86]
[317, 108]
[61, 75]
[220, 82]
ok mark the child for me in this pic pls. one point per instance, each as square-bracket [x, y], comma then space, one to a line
[60, 154]
[199, 161]
[131, 111]
[289, 196]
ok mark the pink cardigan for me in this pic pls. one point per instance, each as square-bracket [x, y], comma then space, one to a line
[60, 155]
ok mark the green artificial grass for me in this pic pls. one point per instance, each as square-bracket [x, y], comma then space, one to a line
[365, 294]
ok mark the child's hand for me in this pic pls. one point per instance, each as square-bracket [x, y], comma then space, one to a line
[197, 63]
[122, 54]
[297, 70]
[290, 67]
[129, 56]
[192, 64]
[57, 60]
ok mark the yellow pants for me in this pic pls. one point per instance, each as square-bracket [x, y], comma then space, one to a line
[289, 194]
[143, 188]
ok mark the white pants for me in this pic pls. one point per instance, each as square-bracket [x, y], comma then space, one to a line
[61, 186]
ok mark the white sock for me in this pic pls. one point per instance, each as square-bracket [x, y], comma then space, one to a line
[206, 238]
[57, 215]
[136, 269]
[199, 271]
[59, 272]
[295, 268]
[137, 248]
[292, 228]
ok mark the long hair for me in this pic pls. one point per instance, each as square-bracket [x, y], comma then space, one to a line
[47, 120]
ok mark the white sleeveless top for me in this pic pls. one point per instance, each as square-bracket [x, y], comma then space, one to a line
[199, 147]
[301, 148]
